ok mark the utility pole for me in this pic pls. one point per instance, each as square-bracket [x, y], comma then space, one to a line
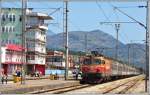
[117, 26]
[147, 45]
[85, 43]
[0, 38]
[66, 32]
[133, 55]
[128, 56]
[23, 69]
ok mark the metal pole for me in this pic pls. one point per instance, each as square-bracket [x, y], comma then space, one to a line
[24, 6]
[148, 34]
[133, 56]
[117, 31]
[147, 45]
[0, 37]
[116, 54]
[85, 43]
[128, 56]
[66, 31]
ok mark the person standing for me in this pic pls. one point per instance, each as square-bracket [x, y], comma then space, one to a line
[6, 78]
[2, 74]
[77, 72]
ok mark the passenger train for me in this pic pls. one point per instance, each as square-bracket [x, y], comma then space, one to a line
[97, 68]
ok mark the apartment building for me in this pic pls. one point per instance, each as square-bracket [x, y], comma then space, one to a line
[12, 58]
[35, 36]
[36, 41]
[56, 59]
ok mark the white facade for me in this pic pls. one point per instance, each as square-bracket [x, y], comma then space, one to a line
[11, 59]
[56, 58]
[3, 50]
[36, 38]
[37, 60]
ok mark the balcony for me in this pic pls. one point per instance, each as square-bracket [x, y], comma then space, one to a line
[31, 62]
[36, 61]
[40, 26]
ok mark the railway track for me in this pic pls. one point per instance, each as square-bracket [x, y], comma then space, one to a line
[122, 88]
[62, 89]
[119, 87]
[123, 91]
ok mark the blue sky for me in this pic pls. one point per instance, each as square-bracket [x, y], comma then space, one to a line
[86, 16]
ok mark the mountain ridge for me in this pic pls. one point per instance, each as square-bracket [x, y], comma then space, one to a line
[97, 40]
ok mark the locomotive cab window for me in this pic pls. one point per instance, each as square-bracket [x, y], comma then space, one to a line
[87, 61]
[97, 61]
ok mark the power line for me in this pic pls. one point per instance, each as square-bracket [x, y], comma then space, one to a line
[141, 24]
[101, 9]
[140, 6]
[123, 22]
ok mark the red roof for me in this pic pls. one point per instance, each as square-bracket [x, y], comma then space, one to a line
[14, 47]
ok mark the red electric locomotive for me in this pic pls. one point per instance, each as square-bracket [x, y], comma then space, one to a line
[97, 68]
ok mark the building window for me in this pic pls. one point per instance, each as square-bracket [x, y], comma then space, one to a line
[3, 41]
[13, 29]
[10, 29]
[14, 18]
[3, 29]
[3, 17]
[10, 18]
[7, 16]
[6, 29]
[13, 41]
[20, 18]
[9, 41]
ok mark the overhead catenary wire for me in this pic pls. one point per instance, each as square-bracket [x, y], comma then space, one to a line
[140, 6]
[101, 9]
[117, 17]
[141, 24]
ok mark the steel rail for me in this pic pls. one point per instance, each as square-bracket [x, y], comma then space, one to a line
[128, 87]
[61, 89]
[124, 90]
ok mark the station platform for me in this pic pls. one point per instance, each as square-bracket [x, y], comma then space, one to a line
[34, 85]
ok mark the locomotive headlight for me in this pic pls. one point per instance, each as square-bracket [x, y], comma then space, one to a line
[85, 69]
[98, 70]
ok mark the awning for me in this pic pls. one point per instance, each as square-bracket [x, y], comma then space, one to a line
[14, 47]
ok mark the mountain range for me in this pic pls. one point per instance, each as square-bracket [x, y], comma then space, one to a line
[102, 42]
